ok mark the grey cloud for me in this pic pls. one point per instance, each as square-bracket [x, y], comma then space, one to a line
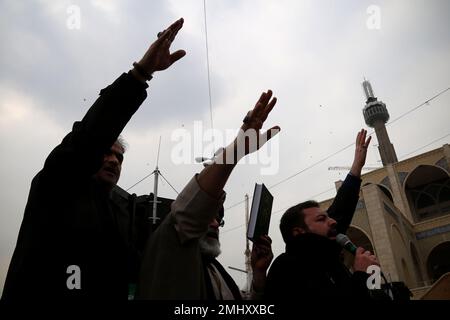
[72, 66]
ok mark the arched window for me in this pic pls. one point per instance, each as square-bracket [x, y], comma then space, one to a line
[385, 190]
[428, 191]
[438, 261]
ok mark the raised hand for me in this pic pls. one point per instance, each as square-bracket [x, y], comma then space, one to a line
[364, 259]
[213, 178]
[360, 152]
[262, 254]
[249, 138]
[261, 258]
[158, 56]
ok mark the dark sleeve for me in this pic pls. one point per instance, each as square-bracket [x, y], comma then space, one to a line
[344, 204]
[275, 285]
[81, 151]
[359, 288]
[285, 280]
[289, 281]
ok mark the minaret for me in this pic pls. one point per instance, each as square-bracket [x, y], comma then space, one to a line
[376, 115]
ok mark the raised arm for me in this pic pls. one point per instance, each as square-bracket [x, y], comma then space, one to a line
[83, 148]
[261, 258]
[197, 204]
[361, 146]
[344, 204]
[249, 139]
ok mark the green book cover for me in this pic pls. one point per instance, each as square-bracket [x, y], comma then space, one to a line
[260, 213]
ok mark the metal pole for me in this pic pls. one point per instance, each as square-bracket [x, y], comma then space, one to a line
[247, 248]
[155, 187]
[237, 269]
[155, 196]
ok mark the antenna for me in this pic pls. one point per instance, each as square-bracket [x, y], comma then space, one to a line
[368, 91]
[159, 147]
[208, 72]
[154, 217]
[348, 168]
[237, 269]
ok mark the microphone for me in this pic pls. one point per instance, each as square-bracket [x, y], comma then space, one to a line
[346, 243]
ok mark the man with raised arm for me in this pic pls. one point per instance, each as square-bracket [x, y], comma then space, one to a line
[73, 239]
[179, 261]
[311, 267]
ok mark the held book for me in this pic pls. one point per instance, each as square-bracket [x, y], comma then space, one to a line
[260, 213]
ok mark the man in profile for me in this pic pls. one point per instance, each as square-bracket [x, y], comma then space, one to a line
[311, 267]
[73, 239]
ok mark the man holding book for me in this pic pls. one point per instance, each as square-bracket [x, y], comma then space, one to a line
[311, 267]
[179, 261]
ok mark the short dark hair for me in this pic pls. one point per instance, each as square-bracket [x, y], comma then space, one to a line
[294, 217]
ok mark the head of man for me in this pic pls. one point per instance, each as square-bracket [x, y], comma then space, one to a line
[307, 217]
[209, 243]
[109, 172]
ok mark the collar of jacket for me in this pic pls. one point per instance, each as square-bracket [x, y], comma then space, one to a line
[227, 278]
[315, 247]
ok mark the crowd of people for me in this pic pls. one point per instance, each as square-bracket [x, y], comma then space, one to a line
[74, 240]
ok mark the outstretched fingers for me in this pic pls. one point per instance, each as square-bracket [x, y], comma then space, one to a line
[175, 27]
[269, 108]
[264, 105]
[267, 97]
[260, 105]
[366, 144]
[358, 138]
[168, 35]
[361, 139]
[363, 136]
[256, 117]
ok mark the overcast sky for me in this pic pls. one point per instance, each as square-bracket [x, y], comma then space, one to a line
[312, 54]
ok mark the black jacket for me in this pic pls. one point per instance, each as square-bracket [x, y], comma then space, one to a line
[68, 219]
[311, 267]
